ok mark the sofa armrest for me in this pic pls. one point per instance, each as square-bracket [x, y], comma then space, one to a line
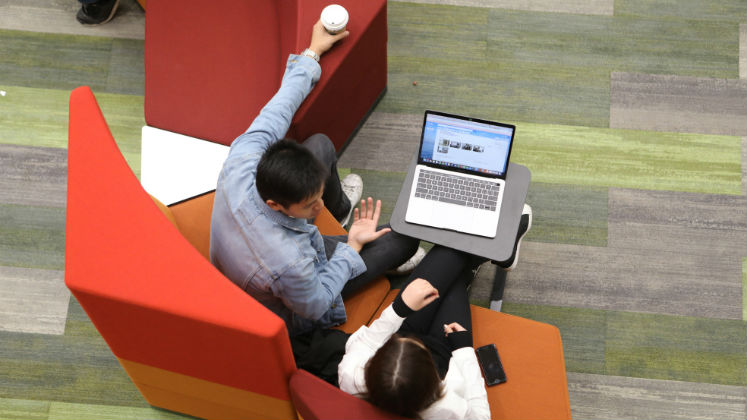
[315, 399]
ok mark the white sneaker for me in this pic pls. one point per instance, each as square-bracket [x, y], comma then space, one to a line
[352, 186]
[410, 264]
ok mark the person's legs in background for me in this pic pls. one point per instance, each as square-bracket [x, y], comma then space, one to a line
[340, 197]
[96, 12]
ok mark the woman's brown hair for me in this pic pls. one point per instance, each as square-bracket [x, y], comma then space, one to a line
[402, 377]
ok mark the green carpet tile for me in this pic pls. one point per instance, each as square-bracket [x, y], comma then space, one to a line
[531, 66]
[714, 10]
[55, 410]
[630, 158]
[647, 345]
[32, 236]
[570, 214]
[55, 61]
[12, 409]
[77, 367]
[39, 117]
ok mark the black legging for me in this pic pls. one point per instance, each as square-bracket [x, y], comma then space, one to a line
[450, 272]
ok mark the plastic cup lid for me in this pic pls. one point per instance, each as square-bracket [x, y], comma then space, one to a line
[334, 17]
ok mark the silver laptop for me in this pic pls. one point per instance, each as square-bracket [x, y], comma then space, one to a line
[460, 176]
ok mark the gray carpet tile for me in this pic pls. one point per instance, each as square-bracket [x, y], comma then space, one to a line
[58, 16]
[34, 176]
[32, 236]
[678, 103]
[668, 252]
[744, 165]
[585, 7]
[385, 142]
[617, 397]
[33, 300]
[635, 280]
[698, 224]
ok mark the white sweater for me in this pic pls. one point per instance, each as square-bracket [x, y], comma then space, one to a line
[464, 389]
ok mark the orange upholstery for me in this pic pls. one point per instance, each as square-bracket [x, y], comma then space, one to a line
[211, 67]
[185, 334]
[193, 220]
[531, 353]
[532, 356]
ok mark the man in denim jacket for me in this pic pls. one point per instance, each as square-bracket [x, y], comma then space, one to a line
[260, 238]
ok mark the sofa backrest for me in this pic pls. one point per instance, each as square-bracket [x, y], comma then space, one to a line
[211, 66]
[189, 338]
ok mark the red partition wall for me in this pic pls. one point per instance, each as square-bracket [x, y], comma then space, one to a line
[211, 66]
[189, 339]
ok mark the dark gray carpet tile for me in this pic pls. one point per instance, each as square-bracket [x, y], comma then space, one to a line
[617, 397]
[702, 224]
[683, 104]
[58, 16]
[634, 280]
[386, 142]
[33, 175]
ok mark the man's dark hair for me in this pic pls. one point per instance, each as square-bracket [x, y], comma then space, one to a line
[288, 173]
[401, 377]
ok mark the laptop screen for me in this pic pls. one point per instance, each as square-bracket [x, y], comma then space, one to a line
[466, 144]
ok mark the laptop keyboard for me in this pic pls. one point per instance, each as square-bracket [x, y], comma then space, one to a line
[455, 189]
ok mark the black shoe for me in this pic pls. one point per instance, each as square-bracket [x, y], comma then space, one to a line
[97, 13]
[524, 225]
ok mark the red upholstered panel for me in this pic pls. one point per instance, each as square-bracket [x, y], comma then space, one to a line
[210, 67]
[150, 294]
[354, 72]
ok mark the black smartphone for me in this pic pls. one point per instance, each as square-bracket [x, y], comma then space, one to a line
[490, 363]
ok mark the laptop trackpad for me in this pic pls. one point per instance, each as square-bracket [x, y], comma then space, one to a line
[451, 216]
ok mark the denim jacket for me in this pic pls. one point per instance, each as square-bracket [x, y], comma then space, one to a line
[279, 260]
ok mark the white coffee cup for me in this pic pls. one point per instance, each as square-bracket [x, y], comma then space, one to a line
[334, 18]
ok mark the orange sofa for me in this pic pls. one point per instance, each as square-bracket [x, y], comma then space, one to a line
[211, 66]
[193, 342]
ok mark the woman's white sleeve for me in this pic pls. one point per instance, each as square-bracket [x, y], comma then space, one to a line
[361, 346]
